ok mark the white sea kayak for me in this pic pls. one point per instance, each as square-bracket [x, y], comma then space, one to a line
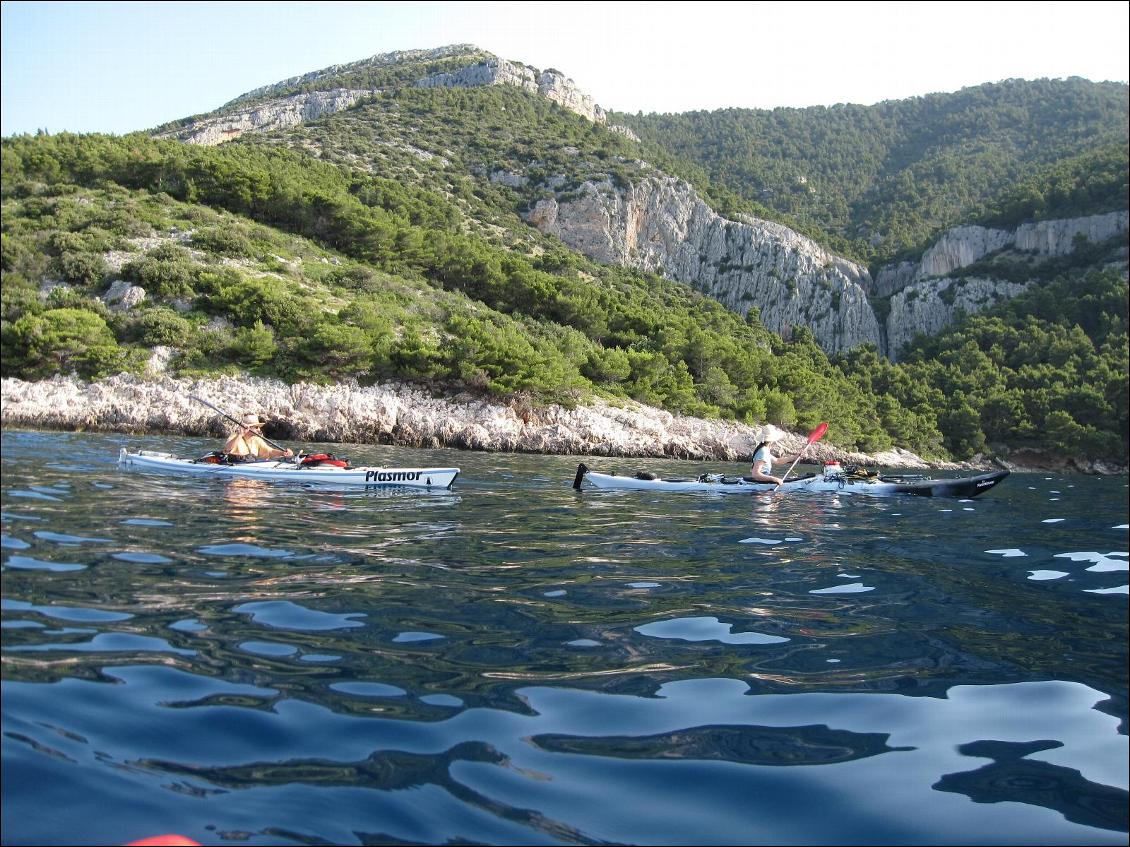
[839, 482]
[290, 471]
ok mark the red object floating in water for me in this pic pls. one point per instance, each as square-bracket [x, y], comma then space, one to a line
[169, 840]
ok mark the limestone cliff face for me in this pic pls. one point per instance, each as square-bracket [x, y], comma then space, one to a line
[660, 224]
[929, 307]
[964, 245]
[925, 298]
[274, 114]
[1057, 238]
[551, 84]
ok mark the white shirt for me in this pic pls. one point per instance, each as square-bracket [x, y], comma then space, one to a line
[763, 459]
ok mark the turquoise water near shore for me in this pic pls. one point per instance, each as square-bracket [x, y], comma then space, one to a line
[515, 662]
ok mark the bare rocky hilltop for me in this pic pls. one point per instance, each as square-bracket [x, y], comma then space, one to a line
[400, 414]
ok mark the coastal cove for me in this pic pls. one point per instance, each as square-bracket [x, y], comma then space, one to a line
[399, 414]
[402, 415]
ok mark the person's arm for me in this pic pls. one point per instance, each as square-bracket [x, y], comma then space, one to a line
[263, 450]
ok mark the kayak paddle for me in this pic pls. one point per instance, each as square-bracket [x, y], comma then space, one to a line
[813, 437]
[233, 420]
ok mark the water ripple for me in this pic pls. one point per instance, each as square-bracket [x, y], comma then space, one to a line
[705, 629]
[63, 538]
[282, 614]
[518, 662]
[40, 564]
[250, 550]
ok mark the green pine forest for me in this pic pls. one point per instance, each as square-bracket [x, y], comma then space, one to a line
[373, 245]
[878, 183]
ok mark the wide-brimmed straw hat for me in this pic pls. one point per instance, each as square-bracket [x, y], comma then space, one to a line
[251, 419]
[770, 433]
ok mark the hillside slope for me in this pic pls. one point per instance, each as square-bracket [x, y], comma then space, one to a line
[592, 185]
[400, 237]
[883, 181]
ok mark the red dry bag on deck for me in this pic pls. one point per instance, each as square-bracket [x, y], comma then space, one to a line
[316, 459]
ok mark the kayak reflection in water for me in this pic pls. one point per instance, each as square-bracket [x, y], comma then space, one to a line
[246, 501]
[247, 441]
[763, 458]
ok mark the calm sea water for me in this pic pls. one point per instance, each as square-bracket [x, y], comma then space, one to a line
[514, 662]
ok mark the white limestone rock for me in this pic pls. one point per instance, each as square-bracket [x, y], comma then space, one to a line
[551, 84]
[123, 296]
[963, 246]
[959, 247]
[158, 362]
[274, 114]
[626, 131]
[927, 307]
[660, 224]
[388, 413]
[509, 179]
[923, 297]
[1057, 238]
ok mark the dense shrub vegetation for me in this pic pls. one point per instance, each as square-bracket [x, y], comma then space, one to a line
[878, 182]
[1047, 369]
[411, 295]
[397, 251]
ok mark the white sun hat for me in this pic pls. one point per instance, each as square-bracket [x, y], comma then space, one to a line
[770, 433]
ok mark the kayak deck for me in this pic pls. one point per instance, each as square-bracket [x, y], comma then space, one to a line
[879, 485]
[289, 471]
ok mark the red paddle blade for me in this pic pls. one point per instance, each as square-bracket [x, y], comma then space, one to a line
[817, 433]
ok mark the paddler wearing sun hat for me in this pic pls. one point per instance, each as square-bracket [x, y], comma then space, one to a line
[247, 441]
[762, 468]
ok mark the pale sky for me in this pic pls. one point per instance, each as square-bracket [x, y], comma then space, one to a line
[124, 66]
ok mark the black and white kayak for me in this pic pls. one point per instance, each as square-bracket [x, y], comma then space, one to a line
[882, 485]
[324, 471]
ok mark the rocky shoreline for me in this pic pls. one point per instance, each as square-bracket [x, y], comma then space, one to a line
[405, 415]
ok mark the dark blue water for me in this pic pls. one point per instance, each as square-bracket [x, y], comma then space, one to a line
[513, 662]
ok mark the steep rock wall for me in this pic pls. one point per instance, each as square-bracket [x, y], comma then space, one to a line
[660, 224]
[924, 298]
[274, 114]
[929, 307]
[553, 85]
[964, 245]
